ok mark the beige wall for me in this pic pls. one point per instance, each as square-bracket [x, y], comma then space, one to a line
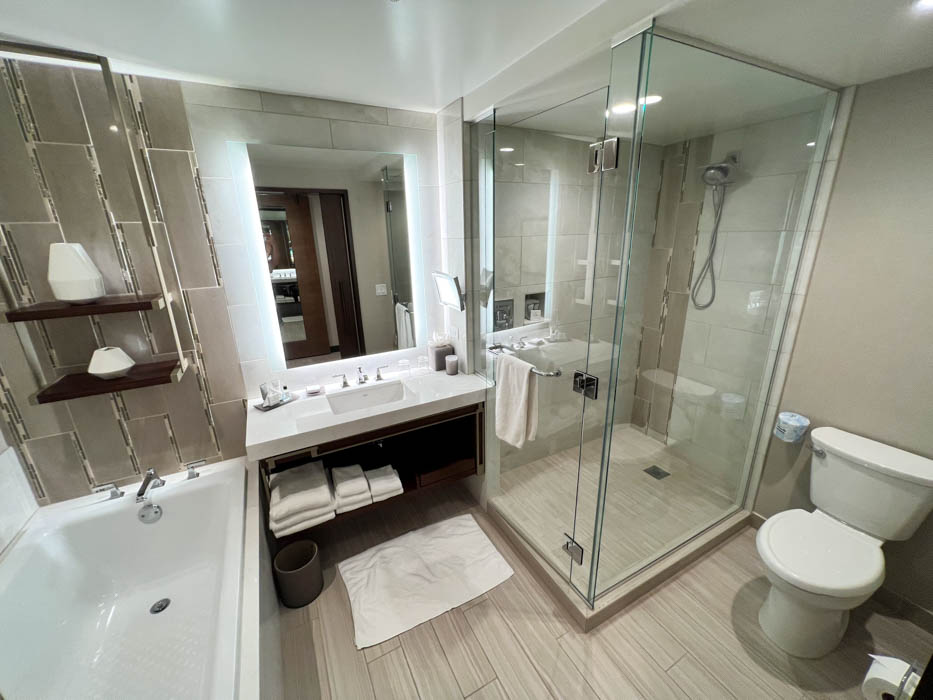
[863, 359]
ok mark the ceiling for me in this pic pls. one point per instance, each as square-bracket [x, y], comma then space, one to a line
[702, 93]
[414, 54]
[845, 42]
[367, 165]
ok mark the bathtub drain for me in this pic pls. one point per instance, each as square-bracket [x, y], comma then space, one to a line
[160, 605]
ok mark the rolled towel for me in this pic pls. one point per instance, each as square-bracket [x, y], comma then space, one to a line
[349, 481]
[353, 502]
[291, 520]
[299, 489]
[304, 524]
[389, 494]
[383, 480]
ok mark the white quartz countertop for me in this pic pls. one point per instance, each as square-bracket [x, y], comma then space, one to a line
[310, 421]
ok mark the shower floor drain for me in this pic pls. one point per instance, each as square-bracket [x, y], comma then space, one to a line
[656, 471]
[160, 605]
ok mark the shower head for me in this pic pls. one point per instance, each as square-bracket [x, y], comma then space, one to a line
[721, 173]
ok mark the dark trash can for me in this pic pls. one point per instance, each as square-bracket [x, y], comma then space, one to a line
[298, 574]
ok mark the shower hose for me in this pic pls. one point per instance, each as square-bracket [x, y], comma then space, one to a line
[719, 196]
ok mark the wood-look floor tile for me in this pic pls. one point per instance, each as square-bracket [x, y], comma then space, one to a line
[593, 661]
[320, 659]
[656, 641]
[470, 603]
[374, 652]
[696, 681]
[529, 627]
[347, 669]
[391, 677]
[490, 691]
[429, 667]
[300, 670]
[466, 657]
[512, 666]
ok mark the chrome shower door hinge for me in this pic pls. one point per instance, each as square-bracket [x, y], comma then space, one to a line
[574, 550]
[585, 384]
[603, 155]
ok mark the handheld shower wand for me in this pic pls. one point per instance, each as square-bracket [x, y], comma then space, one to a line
[717, 176]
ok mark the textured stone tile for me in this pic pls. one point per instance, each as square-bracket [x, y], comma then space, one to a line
[72, 339]
[184, 222]
[209, 307]
[230, 421]
[188, 417]
[73, 185]
[58, 463]
[145, 402]
[102, 440]
[152, 444]
[411, 119]
[32, 243]
[220, 96]
[164, 112]
[53, 101]
[20, 196]
[327, 109]
[673, 338]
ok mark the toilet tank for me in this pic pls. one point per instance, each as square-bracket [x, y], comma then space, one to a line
[871, 486]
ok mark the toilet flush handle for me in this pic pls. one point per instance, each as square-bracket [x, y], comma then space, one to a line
[817, 451]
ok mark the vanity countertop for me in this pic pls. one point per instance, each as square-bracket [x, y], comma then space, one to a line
[310, 421]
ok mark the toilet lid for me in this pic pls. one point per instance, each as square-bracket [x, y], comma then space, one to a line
[821, 555]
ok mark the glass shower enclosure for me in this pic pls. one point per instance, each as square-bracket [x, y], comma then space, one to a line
[640, 218]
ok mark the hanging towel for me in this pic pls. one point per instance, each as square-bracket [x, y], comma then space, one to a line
[304, 524]
[382, 481]
[406, 337]
[349, 481]
[300, 489]
[282, 523]
[353, 502]
[516, 401]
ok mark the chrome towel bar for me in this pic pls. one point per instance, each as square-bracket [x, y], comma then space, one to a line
[555, 373]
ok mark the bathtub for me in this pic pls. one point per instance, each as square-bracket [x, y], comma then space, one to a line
[77, 586]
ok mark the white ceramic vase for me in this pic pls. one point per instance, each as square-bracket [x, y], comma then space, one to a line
[110, 363]
[72, 274]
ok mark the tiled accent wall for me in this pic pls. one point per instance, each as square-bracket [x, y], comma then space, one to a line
[667, 282]
[17, 503]
[221, 116]
[64, 179]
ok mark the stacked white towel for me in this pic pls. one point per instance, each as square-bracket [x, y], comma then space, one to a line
[351, 490]
[383, 483]
[301, 498]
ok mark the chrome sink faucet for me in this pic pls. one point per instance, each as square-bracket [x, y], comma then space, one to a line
[151, 481]
[361, 377]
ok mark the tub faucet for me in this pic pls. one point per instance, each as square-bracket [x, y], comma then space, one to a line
[151, 481]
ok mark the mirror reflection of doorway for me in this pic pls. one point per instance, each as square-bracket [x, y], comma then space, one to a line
[309, 250]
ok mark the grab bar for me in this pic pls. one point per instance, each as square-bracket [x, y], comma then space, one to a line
[555, 373]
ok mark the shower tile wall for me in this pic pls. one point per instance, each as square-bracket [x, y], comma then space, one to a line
[63, 179]
[725, 347]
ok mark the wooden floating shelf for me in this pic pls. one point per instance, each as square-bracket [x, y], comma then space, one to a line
[113, 304]
[76, 386]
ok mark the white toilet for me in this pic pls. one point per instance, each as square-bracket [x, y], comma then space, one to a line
[825, 563]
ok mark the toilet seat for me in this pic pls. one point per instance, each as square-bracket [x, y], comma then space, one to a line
[821, 555]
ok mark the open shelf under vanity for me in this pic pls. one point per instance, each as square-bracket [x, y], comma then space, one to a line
[426, 452]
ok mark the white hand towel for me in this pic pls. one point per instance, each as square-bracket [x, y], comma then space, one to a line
[349, 481]
[282, 523]
[389, 494]
[382, 480]
[406, 338]
[353, 502]
[299, 489]
[304, 525]
[516, 401]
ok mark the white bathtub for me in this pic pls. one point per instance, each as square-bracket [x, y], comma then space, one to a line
[77, 586]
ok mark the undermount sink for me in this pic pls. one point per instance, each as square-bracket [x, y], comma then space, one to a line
[366, 396]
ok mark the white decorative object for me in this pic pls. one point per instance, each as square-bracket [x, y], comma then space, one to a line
[72, 274]
[109, 363]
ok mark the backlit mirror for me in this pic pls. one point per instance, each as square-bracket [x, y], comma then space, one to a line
[336, 238]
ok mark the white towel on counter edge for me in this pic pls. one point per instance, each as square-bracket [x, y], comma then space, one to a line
[299, 489]
[349, 481]
[389, 494]
[516, 401]
[353, 502]
[305, 524]
[382, 480]
[281, 524]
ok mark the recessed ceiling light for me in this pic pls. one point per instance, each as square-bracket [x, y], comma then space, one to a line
[506, 149]
[113, 127]
[649, 100]
[519, 165]
[623, 108]
[923, 6]
[811, 144]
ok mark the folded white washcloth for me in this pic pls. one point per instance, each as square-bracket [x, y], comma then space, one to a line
[349, 481]
[383, 480]
[299, 489]
[304, 524]
[281, 524]
[389, 494]
[353, 502]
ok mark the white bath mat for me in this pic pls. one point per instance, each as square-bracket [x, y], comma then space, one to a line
[401, 583]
